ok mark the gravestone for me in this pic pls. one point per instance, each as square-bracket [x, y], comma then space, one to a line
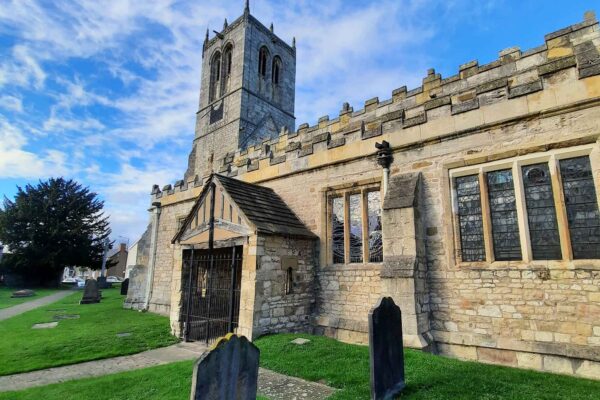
[124, 287]
[386, 350]
[228, 372]
[103, 283]
[58, 317]
[45, 325]
[300, 341]
[91, 293]
[23, 293]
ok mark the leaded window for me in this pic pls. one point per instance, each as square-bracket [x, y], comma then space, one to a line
[541, 212]
[355, 225]
[374, 226]
[337, 225]
[582, 207]
[356, 229]
[522, 211]
[470, 220]
[503, 214]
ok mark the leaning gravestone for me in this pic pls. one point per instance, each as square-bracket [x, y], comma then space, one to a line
[124, 287]
[386, 350]
[228, 372]
[91, 293]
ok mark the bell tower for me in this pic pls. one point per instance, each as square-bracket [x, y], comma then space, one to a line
[247, 91]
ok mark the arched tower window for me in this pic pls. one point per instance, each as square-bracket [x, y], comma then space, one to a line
[276, 70]
[215, 77]
[263, 60]
[227, 67]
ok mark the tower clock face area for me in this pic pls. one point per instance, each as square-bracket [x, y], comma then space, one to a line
[247, 92]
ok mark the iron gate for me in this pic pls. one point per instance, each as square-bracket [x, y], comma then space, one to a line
[211, 293]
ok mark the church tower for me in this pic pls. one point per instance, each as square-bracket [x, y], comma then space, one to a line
[247, 91]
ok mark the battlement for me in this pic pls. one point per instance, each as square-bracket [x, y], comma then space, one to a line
[558, 73]
[246, 17]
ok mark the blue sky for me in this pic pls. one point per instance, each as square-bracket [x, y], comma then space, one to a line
[105, 92]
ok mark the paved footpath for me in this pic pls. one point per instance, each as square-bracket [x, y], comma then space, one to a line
[6, 313]
[271, 384]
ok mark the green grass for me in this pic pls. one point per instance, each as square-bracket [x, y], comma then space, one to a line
[6, 301]
[346, 367]
[91, 337]
[339, 365]
[165, 382]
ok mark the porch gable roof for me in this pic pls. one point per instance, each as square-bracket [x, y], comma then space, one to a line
[266, 212]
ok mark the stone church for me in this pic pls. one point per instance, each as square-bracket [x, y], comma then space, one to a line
[471, 200]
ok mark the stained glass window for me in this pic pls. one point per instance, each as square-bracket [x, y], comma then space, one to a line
[503, 213]
[582, 207]
[469, 218]
[356, 233]
[375, 239]
[541, 212]
[337, 227]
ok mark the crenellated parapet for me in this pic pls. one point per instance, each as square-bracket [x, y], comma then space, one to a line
[565, 70]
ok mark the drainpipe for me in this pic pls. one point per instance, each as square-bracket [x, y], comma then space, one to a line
[155, 210]
[384, 159]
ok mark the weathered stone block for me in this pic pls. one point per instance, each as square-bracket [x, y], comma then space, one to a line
[525, 89]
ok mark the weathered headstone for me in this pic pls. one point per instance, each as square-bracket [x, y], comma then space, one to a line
[23, 293]
[58, 317]
[45, 325]
[228, 372]
[91, 293]
[124, 287]
[386, 350]
[103, 283]
[300, 341]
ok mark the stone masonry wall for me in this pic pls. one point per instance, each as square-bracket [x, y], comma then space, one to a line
[345, 297]
[160, 300]
[539, 314]
[276, 310]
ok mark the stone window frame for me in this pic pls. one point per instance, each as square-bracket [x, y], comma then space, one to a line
[552, 157]
[346, 191]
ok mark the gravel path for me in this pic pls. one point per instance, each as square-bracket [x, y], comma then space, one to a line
[9, 312]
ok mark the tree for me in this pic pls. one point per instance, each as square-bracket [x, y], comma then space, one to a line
[56, 224]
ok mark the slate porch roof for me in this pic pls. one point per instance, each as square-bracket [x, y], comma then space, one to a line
[261, 205]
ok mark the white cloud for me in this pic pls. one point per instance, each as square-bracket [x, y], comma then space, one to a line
[346, 52]
[11, 103]
[16, 162]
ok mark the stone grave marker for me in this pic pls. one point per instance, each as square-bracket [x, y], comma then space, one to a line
[300, 341]
[58, 317]
[124, 334]
[386, 350]
[124, 287]
[23, 293]
[46, 325]
[91, 293]
[228, 372]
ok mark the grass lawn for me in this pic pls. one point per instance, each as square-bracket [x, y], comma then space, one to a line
[340, 365]
[166, 382]
[92, 336]
[6, 301]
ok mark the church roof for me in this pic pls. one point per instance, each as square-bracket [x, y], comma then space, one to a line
[261, 206]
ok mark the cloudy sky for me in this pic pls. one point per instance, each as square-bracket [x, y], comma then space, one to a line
[105, 91]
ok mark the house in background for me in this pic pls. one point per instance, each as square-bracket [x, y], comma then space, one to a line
[117, 261]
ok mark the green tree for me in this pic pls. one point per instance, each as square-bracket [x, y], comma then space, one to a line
[47, 227]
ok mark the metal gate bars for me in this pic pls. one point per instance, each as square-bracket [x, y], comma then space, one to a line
[211, 292]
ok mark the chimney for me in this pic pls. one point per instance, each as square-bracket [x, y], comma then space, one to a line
[123, 248]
